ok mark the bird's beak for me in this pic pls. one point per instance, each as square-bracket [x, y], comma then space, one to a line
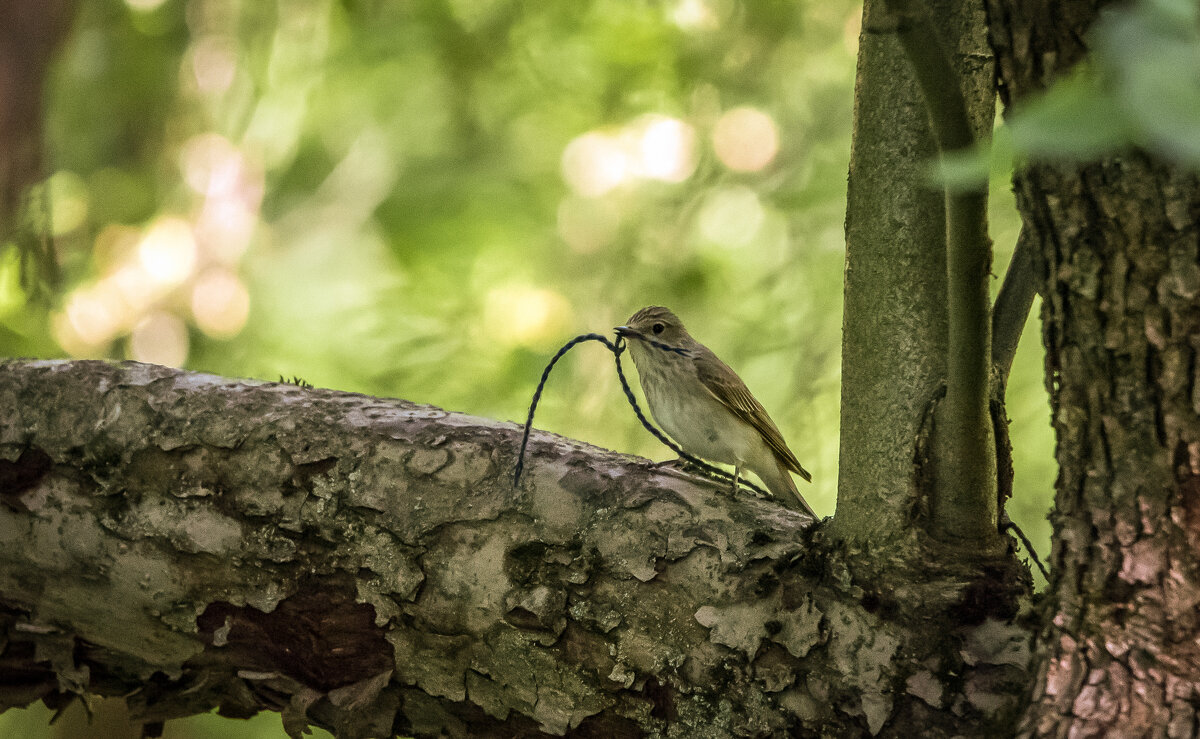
[627, 332]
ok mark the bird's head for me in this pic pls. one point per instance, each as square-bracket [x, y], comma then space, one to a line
[656, 324]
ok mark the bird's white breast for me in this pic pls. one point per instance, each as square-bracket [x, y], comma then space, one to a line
[690, 415]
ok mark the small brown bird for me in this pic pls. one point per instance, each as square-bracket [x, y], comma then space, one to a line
[705, 407]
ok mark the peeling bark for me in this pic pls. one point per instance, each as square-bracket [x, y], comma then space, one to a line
[364, 564]
[1120, 275]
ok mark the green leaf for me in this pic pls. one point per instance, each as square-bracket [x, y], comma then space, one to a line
[970, 169]
[1152, 52]
[1076, 119]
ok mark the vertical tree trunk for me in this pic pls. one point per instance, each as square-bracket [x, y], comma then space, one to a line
[1119, 651]
[895, 291]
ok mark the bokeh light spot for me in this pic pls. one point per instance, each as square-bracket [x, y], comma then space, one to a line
[220, 303]
[144, 5]
[215, 168]
[745, 139]
[68, 202]
[211, 164]
[159, 338]
[134, 286]
[525, 316]
[595, 163]
[666, 148]
[214, 64]
[731, 216]
[225, 226]
[12, 296]
[694, 15]
[168, 251]
[92, 320]
[68, 339]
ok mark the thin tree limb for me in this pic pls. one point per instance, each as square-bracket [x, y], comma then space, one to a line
[1011, 310]
[893, 223]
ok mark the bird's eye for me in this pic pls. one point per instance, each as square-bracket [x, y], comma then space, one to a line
[657, 328]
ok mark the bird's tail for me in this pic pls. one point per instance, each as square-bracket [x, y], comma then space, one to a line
[784, 488]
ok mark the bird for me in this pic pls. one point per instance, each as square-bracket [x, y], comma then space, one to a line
[705, 407]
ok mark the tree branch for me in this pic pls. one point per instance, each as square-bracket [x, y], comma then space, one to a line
[1012, 305]
[366, 565]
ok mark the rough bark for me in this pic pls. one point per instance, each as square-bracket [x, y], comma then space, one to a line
[365, 565]
[1120, 276]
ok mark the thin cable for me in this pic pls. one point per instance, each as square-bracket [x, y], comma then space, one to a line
[617, 349]
[1010, 526]
[537, 394]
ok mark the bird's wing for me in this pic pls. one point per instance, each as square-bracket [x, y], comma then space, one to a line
[728, 388]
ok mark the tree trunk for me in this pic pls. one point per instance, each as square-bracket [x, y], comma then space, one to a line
[1120, 276]
[365, 565]
[895, 280]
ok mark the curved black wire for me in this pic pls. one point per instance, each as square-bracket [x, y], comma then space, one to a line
[617, 349]
[537, 394]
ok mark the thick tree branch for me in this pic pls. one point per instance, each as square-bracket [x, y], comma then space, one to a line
[365, 564]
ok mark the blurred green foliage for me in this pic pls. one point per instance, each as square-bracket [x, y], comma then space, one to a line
[425, 199]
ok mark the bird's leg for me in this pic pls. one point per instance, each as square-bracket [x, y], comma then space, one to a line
[737, 472]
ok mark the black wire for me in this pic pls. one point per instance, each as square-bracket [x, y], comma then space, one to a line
[617, 349]
[1010, 526]
[537, 394]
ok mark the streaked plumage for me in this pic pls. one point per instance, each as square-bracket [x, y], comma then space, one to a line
[705, 407]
